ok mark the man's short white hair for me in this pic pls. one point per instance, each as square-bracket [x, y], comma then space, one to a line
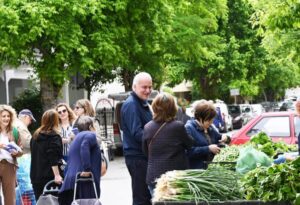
[140, 76]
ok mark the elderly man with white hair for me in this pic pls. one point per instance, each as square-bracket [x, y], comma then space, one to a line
[135, 113]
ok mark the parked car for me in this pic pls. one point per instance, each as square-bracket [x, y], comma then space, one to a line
[286, 105]
[257, 109]
[118, 100]
[270, 106]
[226, 117]
[241, 114]
[277, 125]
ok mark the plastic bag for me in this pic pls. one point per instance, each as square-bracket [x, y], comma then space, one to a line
[249, 158]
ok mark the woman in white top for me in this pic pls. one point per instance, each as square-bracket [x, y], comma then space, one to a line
[10, 148]
[66, 120]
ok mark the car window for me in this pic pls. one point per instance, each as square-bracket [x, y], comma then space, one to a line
[245, 108]
[234, 109]
[272, 126]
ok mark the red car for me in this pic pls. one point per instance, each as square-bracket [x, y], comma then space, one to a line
[277, 125]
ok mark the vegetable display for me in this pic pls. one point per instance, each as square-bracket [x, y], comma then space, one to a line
[199, 185]
[264, 143]
[276, 183]
[227, 157]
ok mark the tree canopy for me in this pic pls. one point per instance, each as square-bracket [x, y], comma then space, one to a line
[217, 44]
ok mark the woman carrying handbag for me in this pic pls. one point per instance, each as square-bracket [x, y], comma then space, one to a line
[164, 140]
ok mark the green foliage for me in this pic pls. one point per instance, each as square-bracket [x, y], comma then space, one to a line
[264, 143]
[143, 29]
[168, 90]
[260, 138]
[193, 45]
[244, 58]
[216, 50]
[276, 183]
[278, 25]
[30, 99]
[58, 38]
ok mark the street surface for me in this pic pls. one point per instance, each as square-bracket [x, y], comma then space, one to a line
[116, 184]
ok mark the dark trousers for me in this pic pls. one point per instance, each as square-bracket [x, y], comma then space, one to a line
[137, 169]
[66, 197]
[38, 189]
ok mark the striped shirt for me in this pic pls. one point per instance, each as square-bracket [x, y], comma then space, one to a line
[66, 134]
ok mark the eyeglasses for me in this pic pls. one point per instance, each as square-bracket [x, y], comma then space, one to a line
[63, 111]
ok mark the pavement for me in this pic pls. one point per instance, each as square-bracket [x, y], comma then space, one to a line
[116, 184]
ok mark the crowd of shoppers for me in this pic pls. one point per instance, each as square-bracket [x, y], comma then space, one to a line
[156, 138]
[48, 147]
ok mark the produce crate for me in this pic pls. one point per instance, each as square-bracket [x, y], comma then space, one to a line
[242, 202]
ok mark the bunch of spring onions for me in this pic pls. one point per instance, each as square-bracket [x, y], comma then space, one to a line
[198, 185]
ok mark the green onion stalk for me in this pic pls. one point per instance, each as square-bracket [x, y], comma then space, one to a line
[217, 184]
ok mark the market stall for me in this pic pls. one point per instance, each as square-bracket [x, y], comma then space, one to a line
[241, 175]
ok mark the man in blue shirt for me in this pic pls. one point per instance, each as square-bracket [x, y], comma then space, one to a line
[135, 113]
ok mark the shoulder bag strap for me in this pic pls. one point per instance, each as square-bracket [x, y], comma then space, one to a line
[151, 140]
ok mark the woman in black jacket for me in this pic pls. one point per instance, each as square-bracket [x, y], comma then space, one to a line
[46, 153]
[164, 140]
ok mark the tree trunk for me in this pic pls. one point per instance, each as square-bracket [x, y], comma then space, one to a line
[265, 95]
[127, 78]
[207, 91]
[49, 93]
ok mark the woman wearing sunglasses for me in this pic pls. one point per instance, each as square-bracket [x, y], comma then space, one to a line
[66, 121]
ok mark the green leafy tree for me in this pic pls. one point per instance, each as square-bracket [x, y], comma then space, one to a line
[245, 59]
[144, 27]
[278, 23]
[30, 99]
[57, 38]
[194, 46]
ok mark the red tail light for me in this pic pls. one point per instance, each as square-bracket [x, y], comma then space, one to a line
[116, 129]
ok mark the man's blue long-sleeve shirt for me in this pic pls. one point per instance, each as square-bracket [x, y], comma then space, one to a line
[135, 113]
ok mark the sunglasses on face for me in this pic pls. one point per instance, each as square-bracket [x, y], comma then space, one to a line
[63, 111]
